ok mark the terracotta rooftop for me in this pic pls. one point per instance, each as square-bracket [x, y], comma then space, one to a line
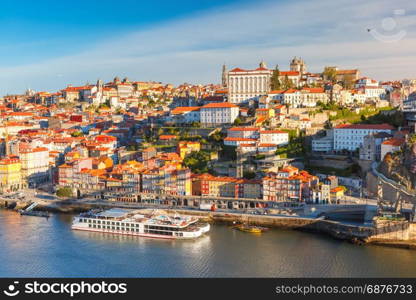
[366, 126]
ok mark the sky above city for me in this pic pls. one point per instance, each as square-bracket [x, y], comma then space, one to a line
[46, 45]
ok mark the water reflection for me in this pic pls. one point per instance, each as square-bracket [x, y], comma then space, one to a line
[193, 246]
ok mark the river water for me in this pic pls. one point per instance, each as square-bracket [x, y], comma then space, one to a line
[37, 247]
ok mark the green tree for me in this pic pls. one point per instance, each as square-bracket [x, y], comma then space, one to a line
[64, 192]
[132, 147]
[330, 73]
[287, 83]
[77, 134]
[216, 137]
[274, 80]
[106, 104]
[249, 174]
[348, 82]
[172, 131]
[237, 121]
[197, 161]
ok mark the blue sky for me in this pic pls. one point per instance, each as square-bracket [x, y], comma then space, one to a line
[46, 45]
[37, 30]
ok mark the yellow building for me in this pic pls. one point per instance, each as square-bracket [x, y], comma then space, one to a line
[11, 174]
[222, 187]
[265, 112]
[337, 193]
[185, 147]
[35, 165]
[103, 162]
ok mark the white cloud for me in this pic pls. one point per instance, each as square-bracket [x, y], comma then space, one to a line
[322, 32]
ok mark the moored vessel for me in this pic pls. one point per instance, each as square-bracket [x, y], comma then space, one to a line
[36, 213]
[133, 222]
[250, 228]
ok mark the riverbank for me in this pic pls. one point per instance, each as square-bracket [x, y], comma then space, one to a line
[357, 234]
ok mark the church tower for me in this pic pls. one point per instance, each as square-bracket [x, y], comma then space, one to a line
[224, 80]
[297, 64]
[100, 85]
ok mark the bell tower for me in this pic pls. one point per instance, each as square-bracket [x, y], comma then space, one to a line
[263, 65]
[224, 80]
[297, 64]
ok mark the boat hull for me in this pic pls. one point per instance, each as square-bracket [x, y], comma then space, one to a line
[203, 230]
[35, 213]
[250, 229]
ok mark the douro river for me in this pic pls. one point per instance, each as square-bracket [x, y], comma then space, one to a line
[37, 247]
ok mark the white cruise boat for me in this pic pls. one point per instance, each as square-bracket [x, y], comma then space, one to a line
[132, 222]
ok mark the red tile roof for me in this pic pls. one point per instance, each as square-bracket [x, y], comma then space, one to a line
[243, 129]
[289, 73]
[365, 126]
[219, 105]
[180, 110]
[346, 72]
[236, 139]
[337, 189]
[272, 131]
[276, 92]
[314, 90]
[238, 70]
[167, 137]
[394, 142]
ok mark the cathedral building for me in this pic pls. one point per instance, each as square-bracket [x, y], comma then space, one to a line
[244, 85]
[298, 65]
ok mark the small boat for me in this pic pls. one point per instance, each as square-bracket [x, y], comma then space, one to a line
[250, 228]
[34, 213]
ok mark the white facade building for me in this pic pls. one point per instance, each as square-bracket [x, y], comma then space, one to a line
[374, 92]
[243, 132]
[366, 82]
[350, 137]
[306, 97]
[187, 114]
[358, 96]
[291, 97]
[275, 137]
[237, 141]
[324, 144]
[293, 76]
[219, 113]
[391, 145]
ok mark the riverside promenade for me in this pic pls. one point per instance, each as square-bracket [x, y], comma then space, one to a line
[311, 218]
